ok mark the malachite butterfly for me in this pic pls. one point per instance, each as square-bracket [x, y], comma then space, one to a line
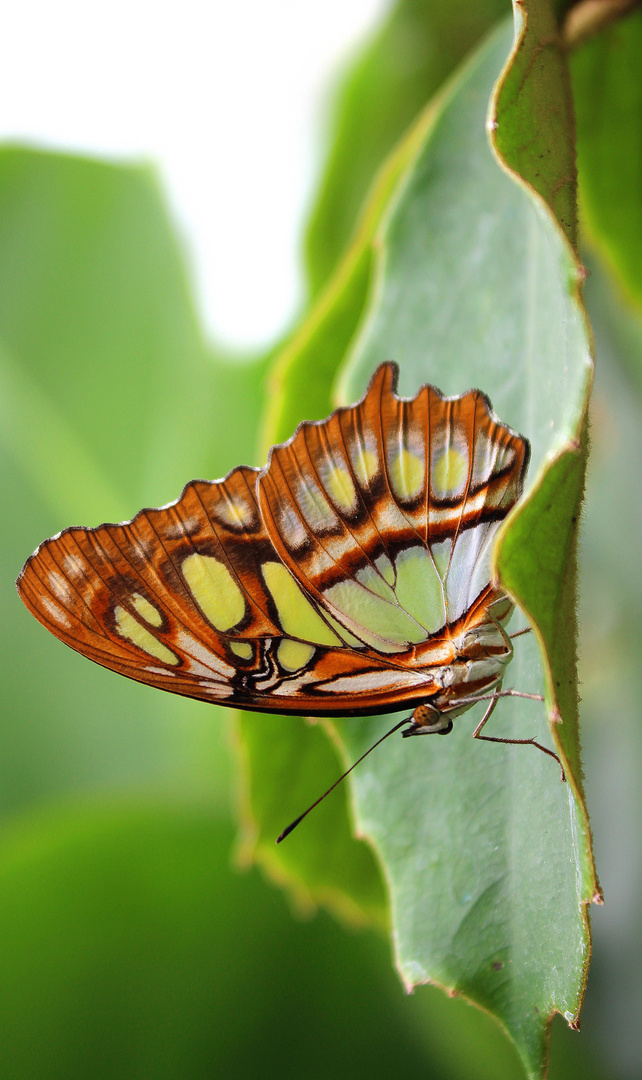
[350, 576]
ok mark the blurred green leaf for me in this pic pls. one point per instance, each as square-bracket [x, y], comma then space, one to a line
[96, 315]
[303, 371]
[608, 100]
[404, 64]
[611, 671]
[109, 399]
[331, 868]
[129, 949]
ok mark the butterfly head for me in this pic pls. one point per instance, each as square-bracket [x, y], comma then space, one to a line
[427, 720]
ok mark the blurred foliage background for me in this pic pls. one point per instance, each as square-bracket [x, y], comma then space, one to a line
[132, 944]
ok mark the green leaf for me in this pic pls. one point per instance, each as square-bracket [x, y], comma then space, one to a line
[608, 100]
[611, 664]
[109, 400]
[534, 97]
[473, 282]
[96, 317]
[303, 372]
[400, 68]
[518, 329]
[285, 759]
[131, 948]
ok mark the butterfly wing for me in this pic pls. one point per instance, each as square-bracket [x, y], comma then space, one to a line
[330, 582]
[386, 512]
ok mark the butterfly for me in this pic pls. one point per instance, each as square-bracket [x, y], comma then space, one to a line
[350, 576]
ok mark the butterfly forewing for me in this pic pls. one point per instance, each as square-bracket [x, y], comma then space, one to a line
[350, 575]
[386, 512]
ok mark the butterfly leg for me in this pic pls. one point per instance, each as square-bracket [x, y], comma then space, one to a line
[513, 742]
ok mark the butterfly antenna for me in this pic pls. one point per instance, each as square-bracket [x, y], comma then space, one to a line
[297, 821]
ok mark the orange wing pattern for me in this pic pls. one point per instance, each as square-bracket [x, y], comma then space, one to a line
[351, 575]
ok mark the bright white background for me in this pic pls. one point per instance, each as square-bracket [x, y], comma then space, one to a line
[227, 98]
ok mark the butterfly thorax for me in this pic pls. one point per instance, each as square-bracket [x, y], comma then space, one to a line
[481, 654]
